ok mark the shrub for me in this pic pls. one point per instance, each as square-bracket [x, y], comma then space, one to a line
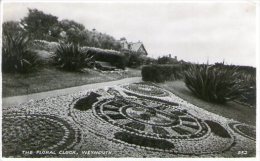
[134, 60]
[149, 61]
[213, 84]
[137, 59]
[166, 60]
[161, 73]
[16, 57]
[71, 57]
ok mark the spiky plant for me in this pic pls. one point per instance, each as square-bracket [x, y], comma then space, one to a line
[16, 57]
[71, 57]
[212, 84]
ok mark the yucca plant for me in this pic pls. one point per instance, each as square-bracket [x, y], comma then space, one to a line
[16, 57]
[213, 84]
[71, 57]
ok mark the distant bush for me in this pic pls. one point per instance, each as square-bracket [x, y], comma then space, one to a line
[149, 61]
[245, 69]
[166, 60]
[134, 60]
[115, 58]
[137, 59]
[71, 57]
[161, 73]
[213, 84]
[16, 57]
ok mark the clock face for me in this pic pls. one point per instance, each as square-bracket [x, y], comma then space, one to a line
[150, 118]
[133, 117]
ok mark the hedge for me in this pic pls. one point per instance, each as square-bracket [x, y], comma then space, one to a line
[44, 45]
[115, 58]
[161, 73]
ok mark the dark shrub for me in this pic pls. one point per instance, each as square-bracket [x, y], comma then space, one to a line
[166, 60]
[161, 73]
[71, 57]
[16, 57]
[137, 59]
[134, 60]
[149, 61]
[214, 84]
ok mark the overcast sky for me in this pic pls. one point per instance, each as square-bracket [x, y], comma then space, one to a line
[194, 32]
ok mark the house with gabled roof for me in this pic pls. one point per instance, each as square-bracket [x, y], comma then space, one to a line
[136, 47]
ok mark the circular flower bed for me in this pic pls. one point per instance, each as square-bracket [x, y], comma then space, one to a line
[34, 132]
[147, 89]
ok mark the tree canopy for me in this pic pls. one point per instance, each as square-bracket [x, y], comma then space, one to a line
[39, 24]
[42, 26]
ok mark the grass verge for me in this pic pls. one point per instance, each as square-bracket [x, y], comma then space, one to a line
[230, 110]
[50, 78]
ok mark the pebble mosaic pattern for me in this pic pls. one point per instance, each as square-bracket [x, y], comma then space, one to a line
[135, 120]
[244, 130]
[36, 132]
[146, 89]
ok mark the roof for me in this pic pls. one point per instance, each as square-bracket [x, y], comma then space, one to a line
[135, 46]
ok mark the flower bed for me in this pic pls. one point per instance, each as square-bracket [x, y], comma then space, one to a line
[137, 125]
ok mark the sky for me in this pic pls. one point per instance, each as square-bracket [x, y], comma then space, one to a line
[195, 32]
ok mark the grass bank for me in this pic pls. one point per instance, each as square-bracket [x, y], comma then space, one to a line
[230, 110]
[50, 78]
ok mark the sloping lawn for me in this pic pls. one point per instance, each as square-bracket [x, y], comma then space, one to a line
[230, 110]
[50, 78]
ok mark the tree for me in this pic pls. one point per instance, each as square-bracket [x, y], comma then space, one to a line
[39, 25]
[75, 32]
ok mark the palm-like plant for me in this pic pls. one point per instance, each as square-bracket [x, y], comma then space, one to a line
[16, 57]
[214, 84]
[71, 57]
